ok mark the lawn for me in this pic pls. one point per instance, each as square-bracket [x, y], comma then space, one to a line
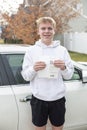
[78, 56]
[1, 41]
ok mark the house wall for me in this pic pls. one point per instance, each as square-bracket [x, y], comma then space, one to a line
[79, 24]
[76, 42]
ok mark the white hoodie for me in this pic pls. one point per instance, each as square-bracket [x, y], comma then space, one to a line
[45, 88]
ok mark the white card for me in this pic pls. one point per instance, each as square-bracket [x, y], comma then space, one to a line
[50, 71]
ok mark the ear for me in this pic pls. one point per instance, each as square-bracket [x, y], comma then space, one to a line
[54, 32]
[38, 33]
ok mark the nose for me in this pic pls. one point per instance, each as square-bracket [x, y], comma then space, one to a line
[46, 30]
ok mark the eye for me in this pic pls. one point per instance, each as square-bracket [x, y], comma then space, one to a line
[43, 28]
[50, 28]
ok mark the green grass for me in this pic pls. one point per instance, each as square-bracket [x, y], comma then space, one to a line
[78, 56]
[1, 41]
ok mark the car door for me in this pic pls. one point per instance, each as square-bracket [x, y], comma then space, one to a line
[8, 104]
[76, 106]
[21, 90]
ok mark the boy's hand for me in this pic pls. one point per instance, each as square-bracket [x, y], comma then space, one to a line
[59, 64]
[39, 65]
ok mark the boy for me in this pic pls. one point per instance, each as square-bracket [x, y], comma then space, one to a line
[45, 65]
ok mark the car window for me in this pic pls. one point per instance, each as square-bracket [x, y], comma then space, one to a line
[3, 75]
[0, 79]
[15, 62]
[77, 75]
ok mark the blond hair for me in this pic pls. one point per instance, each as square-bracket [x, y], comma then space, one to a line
[45, 20]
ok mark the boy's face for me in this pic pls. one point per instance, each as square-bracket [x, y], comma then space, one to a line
[46, 32]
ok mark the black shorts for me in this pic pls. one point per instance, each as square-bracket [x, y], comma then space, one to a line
[42, 110]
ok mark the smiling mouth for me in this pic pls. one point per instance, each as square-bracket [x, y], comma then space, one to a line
[47, 35]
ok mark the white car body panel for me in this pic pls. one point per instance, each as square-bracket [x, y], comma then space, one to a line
[24, 107]
[8, 109]
[76, 107]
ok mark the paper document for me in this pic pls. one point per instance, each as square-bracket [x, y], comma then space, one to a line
[50, 71]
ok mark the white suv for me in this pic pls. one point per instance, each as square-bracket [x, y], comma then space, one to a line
[15, 93]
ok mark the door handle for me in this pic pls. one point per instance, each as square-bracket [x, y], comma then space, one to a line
[26, 99]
